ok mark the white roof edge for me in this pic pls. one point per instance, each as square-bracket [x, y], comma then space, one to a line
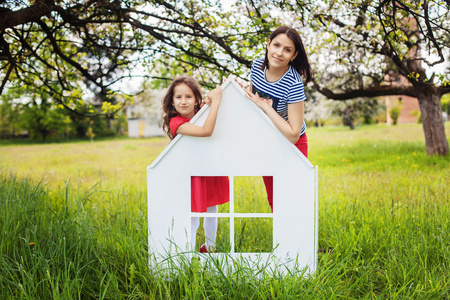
[233, 81]
[230, 80]
[177, 137]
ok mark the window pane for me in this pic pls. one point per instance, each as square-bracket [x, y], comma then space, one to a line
[207, 191]
[222, 243]
[250, 194]
[253, 235]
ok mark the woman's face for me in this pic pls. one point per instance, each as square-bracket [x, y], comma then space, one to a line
[280, 51]
[184, 100]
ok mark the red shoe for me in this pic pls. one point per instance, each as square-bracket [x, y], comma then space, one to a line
[203, 249]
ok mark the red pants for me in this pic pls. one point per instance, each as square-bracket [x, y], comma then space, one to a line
[302, 145]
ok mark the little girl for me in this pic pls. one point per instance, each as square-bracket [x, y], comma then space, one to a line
[181, 102]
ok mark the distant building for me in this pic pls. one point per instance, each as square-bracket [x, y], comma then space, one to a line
[409, 105]
[144, 116]
[144, 127]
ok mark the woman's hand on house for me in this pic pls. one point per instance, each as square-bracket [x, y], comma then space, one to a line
[261, 102]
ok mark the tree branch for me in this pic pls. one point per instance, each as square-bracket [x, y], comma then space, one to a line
[431, 36]
[371, 92]
[58, 51]
[30, 14]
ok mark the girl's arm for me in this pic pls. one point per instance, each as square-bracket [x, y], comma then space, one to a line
[292, 129]
[208, 127]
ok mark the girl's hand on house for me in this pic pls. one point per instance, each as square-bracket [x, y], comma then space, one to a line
[214, 95]
[206, 101]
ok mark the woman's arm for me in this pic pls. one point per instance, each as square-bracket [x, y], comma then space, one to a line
[208, 127]
[292, 129]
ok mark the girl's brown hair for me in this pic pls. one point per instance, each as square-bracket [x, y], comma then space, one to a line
[300, 63]
[167, 103]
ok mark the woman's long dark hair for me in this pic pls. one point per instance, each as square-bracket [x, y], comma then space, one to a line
[301, 62]
[167, 103]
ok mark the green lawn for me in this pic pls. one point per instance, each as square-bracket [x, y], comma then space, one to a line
[73, 223]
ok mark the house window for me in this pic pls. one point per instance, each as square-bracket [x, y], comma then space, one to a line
[245, 223]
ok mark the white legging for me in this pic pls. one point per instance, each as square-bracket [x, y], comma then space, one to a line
[210, 226]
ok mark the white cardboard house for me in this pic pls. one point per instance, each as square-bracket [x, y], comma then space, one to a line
[244, 143]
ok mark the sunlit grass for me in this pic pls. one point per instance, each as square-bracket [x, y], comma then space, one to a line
[114, 163]
[82, 231]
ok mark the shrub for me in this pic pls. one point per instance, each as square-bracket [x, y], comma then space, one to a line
[394, 112]
[417, 114]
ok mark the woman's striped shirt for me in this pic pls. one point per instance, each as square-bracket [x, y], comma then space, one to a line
[286, 90]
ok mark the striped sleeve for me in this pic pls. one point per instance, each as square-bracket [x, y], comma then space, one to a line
[296, 92]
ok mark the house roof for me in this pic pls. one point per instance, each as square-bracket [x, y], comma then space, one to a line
[203, 112]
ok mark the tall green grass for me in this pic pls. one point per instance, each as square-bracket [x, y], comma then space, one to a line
[73, 224]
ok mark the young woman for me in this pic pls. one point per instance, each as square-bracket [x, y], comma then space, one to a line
[277, 88]
[181, 102]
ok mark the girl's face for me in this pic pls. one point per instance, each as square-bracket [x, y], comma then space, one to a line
[184, 100]
[280, 51]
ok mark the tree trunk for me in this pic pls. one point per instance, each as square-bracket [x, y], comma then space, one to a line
[348, 118]
[433, 122]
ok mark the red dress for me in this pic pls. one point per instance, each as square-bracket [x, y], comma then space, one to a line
[206, 191]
